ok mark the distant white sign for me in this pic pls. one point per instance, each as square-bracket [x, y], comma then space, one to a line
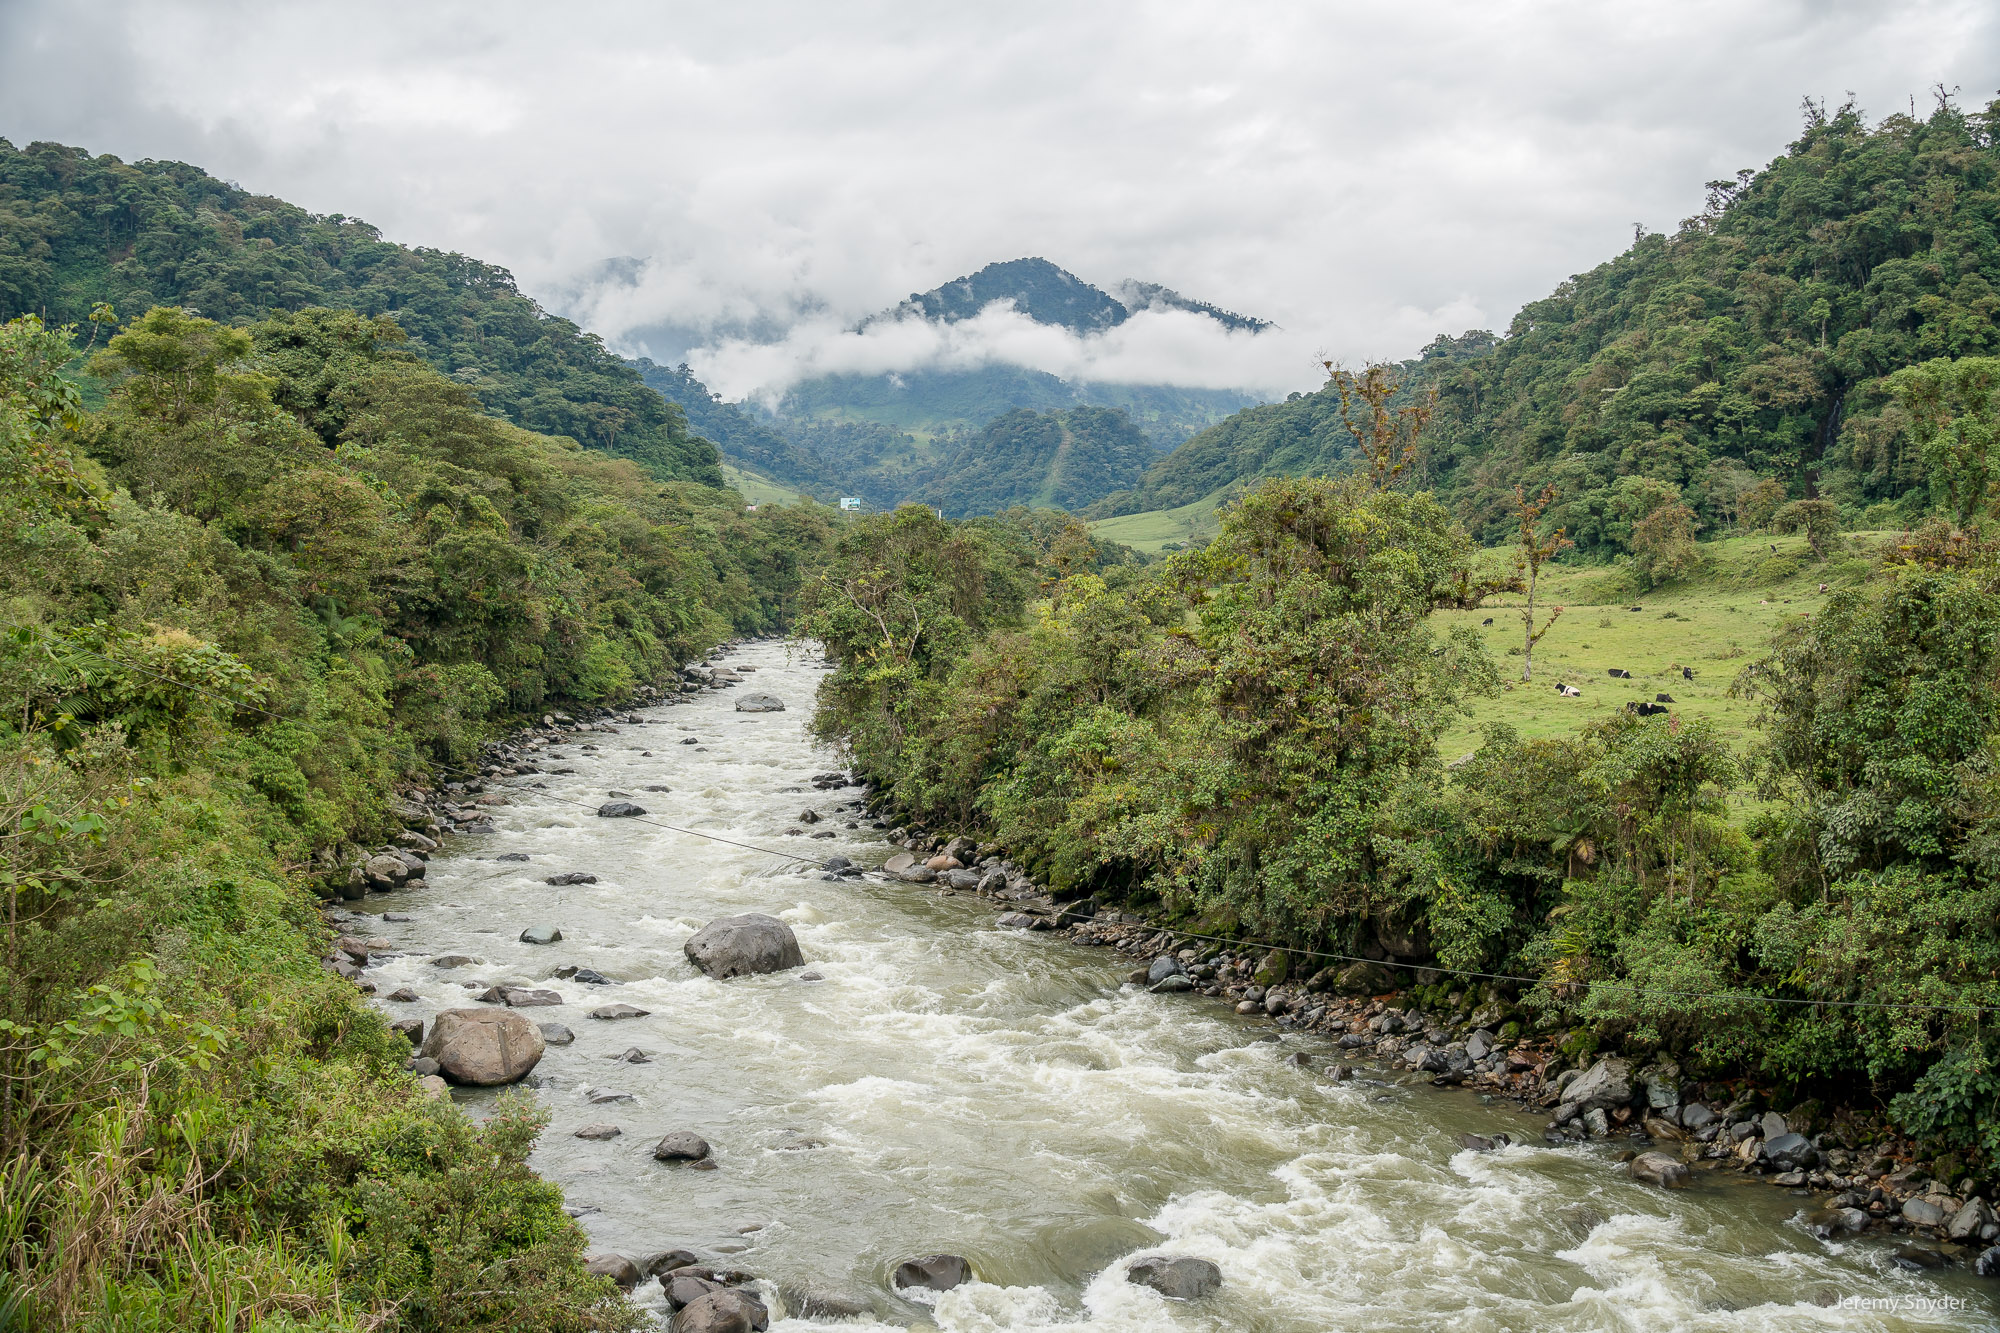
[850, 502]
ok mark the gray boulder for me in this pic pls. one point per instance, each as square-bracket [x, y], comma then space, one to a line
[1790, 1152]
[938, 1272]
[1364, 979]
[618, 1011]
[725, 1311]
[760, 703]
[683, 1289]
[569, 877]
[1923, 1212]
[616, 1267]
[1988, 1262]
[483, 1047]
[1606, 1085]
[599, 1132]
[540, 935]
[811, 1302]
[528, 997]
[1965, 1224]
[385, 871]
[1696, 1116]
[1171, 984]
[1658, 1168]
[620, 810]
[1181, 1279]
[1166, 965]
[555, 1034]
[899, 863]
[737, 946]
[1773, 1126]
[681, 1146]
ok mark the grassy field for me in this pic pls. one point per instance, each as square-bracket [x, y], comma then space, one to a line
[1152, 530]
[1713, 623]
[757, 490]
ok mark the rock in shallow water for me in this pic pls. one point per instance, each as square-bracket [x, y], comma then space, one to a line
[614, 1266]
[620, 810]
[727, 1311]
[599, 1132]
[1183, 1279]
[483, 1047]
[736, 946]
[1658, 1168]
[681, 1146]
[938, 1272]
[617, 1011]
[555, 1034]
[541, 935]
[760, 703]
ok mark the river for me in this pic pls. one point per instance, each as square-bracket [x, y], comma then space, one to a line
[947, 1086]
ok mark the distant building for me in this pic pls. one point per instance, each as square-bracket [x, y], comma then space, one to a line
[850, 502]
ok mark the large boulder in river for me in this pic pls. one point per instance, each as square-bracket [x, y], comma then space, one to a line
[725, 1311]
[483, 1047]
[739, 946]
[1658, 1168]
[1183, 1279]
[938, 1272]
[760, 703]
[620, 810]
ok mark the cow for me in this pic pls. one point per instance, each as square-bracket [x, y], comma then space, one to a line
[1569, 691]
[1663, 698]
[1687, 673]
[1621, 673]
[1644, 709]
[1487, 621]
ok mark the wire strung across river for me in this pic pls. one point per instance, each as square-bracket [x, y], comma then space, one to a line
[1636, 991]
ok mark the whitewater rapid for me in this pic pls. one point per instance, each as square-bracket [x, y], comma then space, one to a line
[948, 1086]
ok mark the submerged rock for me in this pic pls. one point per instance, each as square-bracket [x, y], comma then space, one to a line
[1183, 1279]
[620, 810]
[938, 1272]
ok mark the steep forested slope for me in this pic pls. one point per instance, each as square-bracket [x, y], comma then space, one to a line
[77, 229]
[741, 436]
[1753, 343]
[1062, 460]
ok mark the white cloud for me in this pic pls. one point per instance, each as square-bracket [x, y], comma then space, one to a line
[1366, 175]
[1152, 347]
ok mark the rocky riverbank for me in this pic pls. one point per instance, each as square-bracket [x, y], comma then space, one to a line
[1475, 1036]
[1373, 1016]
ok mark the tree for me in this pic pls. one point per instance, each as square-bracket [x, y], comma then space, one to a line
[1662, 530]
[1951, 406]
[1818, 519]
[1385, 431]
[1533, 552]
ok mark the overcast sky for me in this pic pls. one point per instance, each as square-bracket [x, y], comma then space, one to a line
[1366, 175]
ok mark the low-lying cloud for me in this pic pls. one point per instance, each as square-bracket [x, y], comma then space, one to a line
[1366, 176]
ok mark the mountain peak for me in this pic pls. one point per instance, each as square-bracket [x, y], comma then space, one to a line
[1042, 291]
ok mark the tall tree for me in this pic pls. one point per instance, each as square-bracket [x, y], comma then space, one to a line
[1531, 554]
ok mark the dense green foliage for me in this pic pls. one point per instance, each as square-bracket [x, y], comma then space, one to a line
[1247, 733]
[1060, 460]
[280, 571]
[77, 229]
[1747, 359]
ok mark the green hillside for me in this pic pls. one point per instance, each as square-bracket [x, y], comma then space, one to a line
[1753, 344]
[77, 229]
[744, 439]
[1060, 460]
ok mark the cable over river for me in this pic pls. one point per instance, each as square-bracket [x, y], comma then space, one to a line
[929, 1082]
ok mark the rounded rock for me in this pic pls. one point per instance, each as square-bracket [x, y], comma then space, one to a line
[760, 703]
[936, 1272]
[483, 1047]
[681, 1146]
[726, 1311]
[1181, 1279]
[736, 946]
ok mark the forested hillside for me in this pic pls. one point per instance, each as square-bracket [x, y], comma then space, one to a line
[1753, 345]
[1046, 460]
[741, 435]
[284, 571]
[76, 230]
